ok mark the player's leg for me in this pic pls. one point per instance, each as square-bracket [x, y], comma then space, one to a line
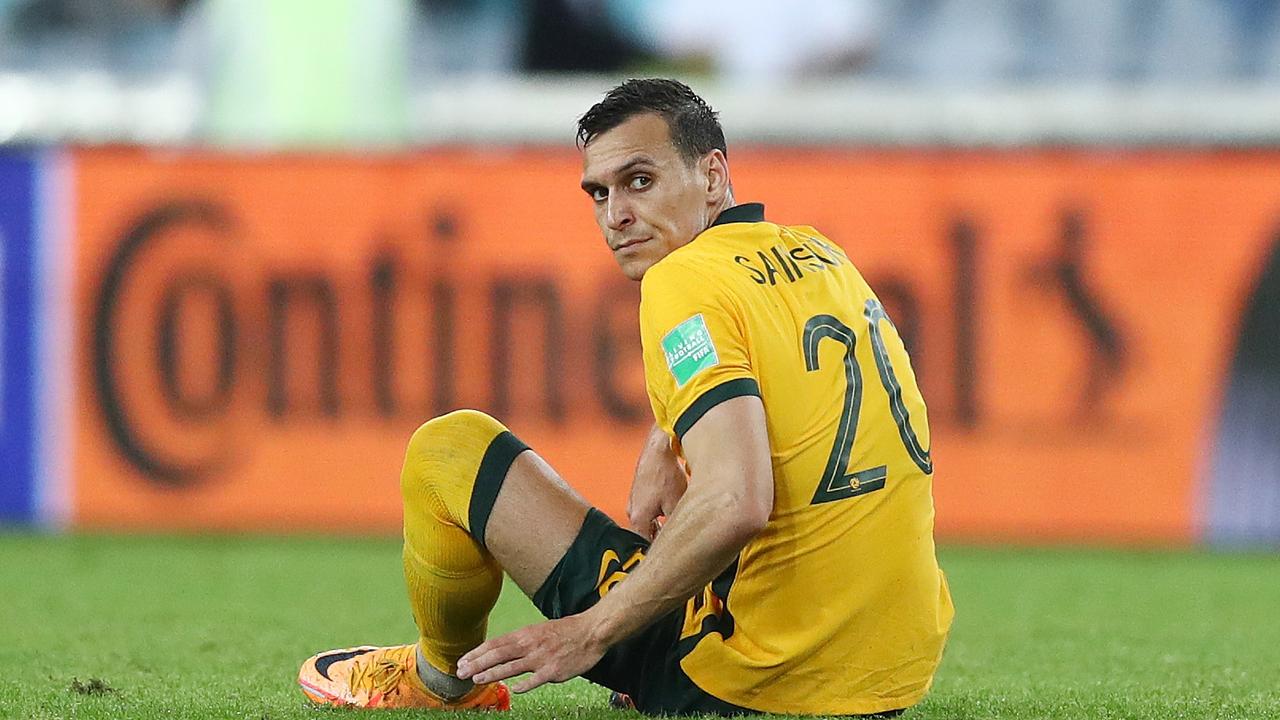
[475, 503]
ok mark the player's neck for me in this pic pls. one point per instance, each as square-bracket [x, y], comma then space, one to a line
[724, 205]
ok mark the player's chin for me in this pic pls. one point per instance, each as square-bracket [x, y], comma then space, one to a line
[634, 266]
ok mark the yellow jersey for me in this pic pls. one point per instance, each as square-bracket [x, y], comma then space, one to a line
[838, 606]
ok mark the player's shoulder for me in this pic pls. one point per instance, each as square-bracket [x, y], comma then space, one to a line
[676, 283]
[810, 234]
[706, 256]
[695, 270]
[679, 264]
[690, 263]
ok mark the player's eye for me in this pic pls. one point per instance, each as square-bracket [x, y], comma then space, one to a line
[600, 194]
[640, 182]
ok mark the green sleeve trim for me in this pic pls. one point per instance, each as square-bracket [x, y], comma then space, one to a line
[502, 451]
[724, 391]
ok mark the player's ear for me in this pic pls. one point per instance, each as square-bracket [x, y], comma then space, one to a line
[716, 170]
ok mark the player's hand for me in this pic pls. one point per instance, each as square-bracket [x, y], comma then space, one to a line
[659, 483]
[554, 651]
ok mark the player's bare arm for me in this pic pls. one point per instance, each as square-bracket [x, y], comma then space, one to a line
[659, 483]
[728, 503]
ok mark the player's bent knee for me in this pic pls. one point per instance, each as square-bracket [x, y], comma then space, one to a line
[445, 452]
[438, 433]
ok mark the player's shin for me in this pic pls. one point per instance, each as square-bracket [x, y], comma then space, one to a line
[452, 580]
[452, 584]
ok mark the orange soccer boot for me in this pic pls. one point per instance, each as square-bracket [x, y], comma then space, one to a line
[385, 677]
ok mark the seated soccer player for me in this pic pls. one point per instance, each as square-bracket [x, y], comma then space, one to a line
[795, 571]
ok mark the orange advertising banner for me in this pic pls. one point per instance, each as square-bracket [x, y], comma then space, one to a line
[257, 336]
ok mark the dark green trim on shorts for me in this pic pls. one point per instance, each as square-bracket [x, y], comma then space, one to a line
[502, 451]
[721, 587]
[724, 391]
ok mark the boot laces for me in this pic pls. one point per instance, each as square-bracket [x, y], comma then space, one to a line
[382, 673]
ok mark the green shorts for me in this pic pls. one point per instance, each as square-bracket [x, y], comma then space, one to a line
[645, 666]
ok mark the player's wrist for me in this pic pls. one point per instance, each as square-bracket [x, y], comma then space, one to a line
[608, 624]
[602, 628]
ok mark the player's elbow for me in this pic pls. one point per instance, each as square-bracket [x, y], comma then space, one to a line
[757, 514]
[747, 516]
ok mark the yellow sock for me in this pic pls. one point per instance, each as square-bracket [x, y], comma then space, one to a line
[452, 472]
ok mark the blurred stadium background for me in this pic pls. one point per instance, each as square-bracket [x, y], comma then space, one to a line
[248, 245]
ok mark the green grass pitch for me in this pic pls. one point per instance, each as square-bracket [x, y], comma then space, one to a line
[163, 627]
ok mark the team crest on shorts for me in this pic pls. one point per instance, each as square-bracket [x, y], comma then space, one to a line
[689, 349]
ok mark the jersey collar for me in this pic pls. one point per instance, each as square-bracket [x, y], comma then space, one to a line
[745, 213]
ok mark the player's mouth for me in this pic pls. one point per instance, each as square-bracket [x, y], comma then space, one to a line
[629, 243]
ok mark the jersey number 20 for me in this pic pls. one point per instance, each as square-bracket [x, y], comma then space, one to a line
[838, 482]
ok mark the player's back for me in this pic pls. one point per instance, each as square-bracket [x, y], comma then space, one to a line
[838, 606]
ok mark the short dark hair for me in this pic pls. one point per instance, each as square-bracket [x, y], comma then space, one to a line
[694, 126]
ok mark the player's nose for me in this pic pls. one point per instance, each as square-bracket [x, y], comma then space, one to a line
[619, 214]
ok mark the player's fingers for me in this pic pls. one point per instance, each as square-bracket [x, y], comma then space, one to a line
[643, 509]
[641, 516]
[644, 530]
[535, 680]
[493, 652]
[505, 670]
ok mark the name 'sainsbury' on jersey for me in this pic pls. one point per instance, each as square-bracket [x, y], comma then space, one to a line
[783, 263]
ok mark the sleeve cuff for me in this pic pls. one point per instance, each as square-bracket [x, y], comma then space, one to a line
[724, 391]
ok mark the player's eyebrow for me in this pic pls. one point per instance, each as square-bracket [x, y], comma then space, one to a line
[590, 186]
[634, 163]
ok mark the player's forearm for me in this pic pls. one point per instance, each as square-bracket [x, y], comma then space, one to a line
[703, 535]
